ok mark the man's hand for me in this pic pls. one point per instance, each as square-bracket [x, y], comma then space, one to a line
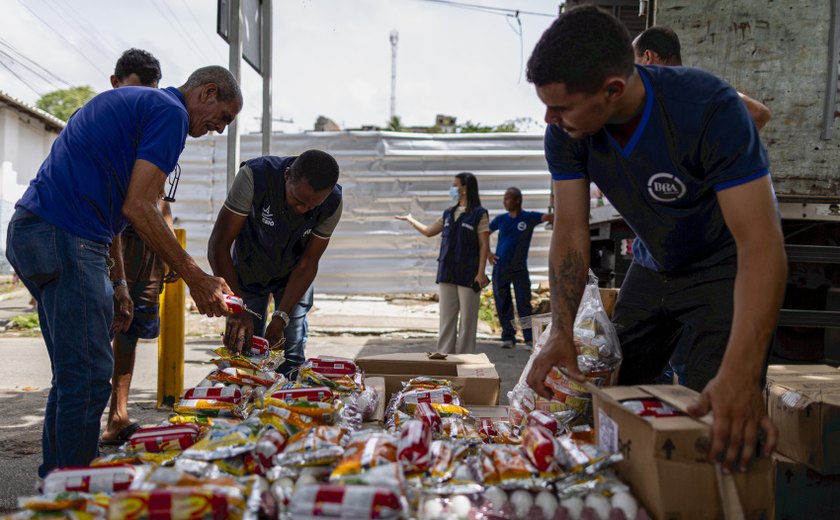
[239, 329]
[209, 292]
[557, 351]
[275, 332]
[739, 415]
[171, 275]
[123, 309]
[482, 280]
[493, 259]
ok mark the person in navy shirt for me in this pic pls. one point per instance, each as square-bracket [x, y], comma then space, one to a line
[107, 168]
[676, 153]
[510, 263]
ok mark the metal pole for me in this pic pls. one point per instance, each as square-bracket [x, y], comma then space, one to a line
[830, 94]
[235, 60]
[395, 38]
[171, 340]
[267, 28]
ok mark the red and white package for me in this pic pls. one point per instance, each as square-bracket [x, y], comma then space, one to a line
[310, 394]
[165, 438]
[330, 500]
[182, 503]
[542, 449]
[226, 394]
[259, 460]
[429, 416]
[332, 366]
[259, 346]
[99, 479]
[437, 396]
[235, 304]
[487, 430]
[414, 447]
[540, 418]
[651, 408]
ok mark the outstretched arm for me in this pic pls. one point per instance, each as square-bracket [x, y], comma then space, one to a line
[429, 231]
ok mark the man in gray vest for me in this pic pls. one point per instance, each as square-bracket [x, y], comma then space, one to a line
[279, 216]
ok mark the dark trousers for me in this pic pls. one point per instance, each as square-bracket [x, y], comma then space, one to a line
[656, 312]
[502, 280]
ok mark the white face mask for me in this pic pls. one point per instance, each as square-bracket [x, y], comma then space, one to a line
[454, 194]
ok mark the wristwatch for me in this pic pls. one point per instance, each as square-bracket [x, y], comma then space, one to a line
[282, 315]
[119, 283]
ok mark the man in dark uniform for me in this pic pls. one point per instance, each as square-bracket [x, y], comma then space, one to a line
[675, 151]
[279, 216]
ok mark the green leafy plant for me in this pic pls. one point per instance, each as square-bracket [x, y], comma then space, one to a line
[25, 321]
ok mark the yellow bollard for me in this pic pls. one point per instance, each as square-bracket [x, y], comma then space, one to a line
[171, 339]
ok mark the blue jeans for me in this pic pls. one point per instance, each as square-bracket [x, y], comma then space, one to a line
[502, 279]
[295, 332]
[68, 277]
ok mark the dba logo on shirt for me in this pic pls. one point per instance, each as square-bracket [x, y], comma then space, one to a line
[521, 226]
[267, 217]
[665, 187]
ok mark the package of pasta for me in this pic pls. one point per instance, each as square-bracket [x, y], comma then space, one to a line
[510, 464]
[222, 443]
[578, 456]
[498, 432]
[315, 446]
[572, 394]
[366, 450]
[410, 398]
[260, 362]
[205, 407]
[66, 504]
[119, 458]
[429, 416]
[414, 447]
[445, 455]
[321, 413]
[163, 477]
[292, 392]
[342, 384]
[542, 449]
[451, 410]
[183, 503]
[426, 383]
[540, 418]
[390, 476]
[261, 459]
[244, 376]
[285, 420]
[332, 366]
[337, 501]
[164, 438]
[92, 479]
[457, 428]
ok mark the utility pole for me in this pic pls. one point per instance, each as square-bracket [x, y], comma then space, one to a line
[395, 38]
[235, 67]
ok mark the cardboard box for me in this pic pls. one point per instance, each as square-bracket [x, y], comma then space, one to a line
[472, 375]
[665, 458]
[803, 493]
[804, 402]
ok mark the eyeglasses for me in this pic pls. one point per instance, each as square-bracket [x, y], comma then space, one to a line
[174, 177]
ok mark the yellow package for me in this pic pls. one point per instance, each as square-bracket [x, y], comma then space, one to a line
[366, 452]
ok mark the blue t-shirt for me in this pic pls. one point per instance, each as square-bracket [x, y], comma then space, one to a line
[514, 238]
[81, 185]
[695, 138]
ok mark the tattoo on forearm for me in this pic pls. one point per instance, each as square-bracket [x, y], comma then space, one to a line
[567, 278]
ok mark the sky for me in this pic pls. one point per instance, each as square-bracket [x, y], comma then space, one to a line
[331, 57]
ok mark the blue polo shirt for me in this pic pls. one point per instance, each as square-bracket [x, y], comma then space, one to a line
[81, 186]
[695, 138]
[514, 238]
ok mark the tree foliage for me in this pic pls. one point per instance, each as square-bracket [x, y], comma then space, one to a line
[64, 102]
[394, 124]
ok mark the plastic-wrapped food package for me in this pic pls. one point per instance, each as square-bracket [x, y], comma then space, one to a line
[414, 447]
[429, 416]
[260, 460]
[366, 450]
[317, 445]
[223, 443]
[66, 504]
[336, 501]
[183, 503]
[93, 479]
[164, 438]
[292, 392]
[542, 450]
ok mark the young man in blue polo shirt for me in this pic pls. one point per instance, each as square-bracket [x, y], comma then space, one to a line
[677, 155]
[107, 168]
[510, 263]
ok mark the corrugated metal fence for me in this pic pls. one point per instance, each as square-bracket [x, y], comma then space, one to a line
[383, 174]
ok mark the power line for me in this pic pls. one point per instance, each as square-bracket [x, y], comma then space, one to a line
[15, 74]
[74, 19]
[201, 30]
[27, 67]
[180, 30]
[33, 62]
[503, 11]
[82, 54]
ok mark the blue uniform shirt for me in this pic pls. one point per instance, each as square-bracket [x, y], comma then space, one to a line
[695, 138]
[514, 238]
[81, 186]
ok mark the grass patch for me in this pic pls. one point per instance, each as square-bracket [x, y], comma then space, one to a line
[25, 322]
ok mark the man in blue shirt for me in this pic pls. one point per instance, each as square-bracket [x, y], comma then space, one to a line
[106, 168]
[510, 263]
[676, 153]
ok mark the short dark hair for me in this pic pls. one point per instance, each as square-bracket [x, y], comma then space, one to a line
[140, 62]
[581, 49]
[320, 169]
[516, 192]
[227, 86]
[661, 40]
[469, 181]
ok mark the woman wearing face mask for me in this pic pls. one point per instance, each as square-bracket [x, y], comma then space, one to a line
[464, 248]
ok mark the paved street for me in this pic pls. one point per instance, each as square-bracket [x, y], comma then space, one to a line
[340, 326]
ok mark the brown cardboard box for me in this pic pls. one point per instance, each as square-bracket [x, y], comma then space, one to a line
[473, 375]
[665, 458]
[804, 402]
[803, 493]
